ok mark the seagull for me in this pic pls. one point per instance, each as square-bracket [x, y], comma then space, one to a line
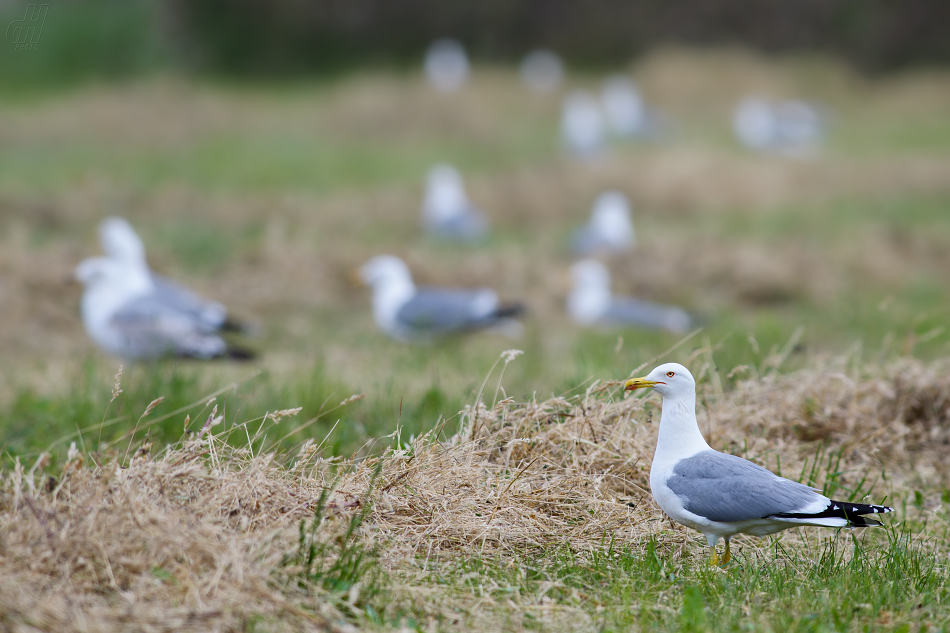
[582, 125]
[626, 114]
[447, 212]
[408, 313]
[446, 65]
[542, 71]
[125, 315]
[122, 244]
[723, 495]
[591, 303]
[609, 229]
[792, 127]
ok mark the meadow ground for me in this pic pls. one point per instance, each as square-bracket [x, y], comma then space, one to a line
[823, 286]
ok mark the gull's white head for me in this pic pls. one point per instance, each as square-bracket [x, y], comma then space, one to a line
[108, 275]
[611, 218]
[671, 380]
[97, 270]
[120, 242]
[445, 194]
[385, 271]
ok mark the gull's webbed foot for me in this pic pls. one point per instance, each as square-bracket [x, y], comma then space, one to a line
[726, 556]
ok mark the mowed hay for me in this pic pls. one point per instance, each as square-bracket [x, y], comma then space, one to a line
[167, 544]
[196, 537]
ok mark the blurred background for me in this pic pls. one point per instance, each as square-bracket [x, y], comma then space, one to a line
[264, 150]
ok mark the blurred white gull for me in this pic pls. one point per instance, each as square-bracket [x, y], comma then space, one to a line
[121, 243]
[126, 316]
[792, 127]
[446, 65]
[408, 313]
[754, 123]
[447, 212]
[626, 114]
[542, 71]
[609, 230]
[582, 125]
[591, 303]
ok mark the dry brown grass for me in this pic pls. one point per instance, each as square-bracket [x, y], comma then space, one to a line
[190, 539]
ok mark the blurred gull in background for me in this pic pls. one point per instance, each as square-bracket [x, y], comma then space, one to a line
[582, 125]
[447, 212]
[792, 127]
[408, 313]
[121, 243]
[609, 230]
[626, 114]
[446, 65]
[126, 316]
[542, 71]
[754, 123]
[591, 303]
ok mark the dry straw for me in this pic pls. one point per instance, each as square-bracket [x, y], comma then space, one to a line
[190, 539]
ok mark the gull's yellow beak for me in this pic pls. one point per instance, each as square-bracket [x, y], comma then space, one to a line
[639, 383]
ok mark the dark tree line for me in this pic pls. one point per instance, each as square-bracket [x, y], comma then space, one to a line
[263, 36]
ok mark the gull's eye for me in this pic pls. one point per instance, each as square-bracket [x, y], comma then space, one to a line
[670, 374]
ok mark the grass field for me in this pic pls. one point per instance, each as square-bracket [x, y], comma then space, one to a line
[823, 287]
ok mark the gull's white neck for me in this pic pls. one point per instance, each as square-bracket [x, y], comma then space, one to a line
[588, 303]
[445, 201]
[679, 435]
[389, 297]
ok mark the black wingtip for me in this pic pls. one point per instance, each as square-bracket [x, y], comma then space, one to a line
[236, 326]
[240, 354]
[853, 513]
[510, 311]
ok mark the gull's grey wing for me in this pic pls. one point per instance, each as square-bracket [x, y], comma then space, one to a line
[151, 328]
[630, 311]
[445, 310]
[727, 488]
[209, 314]
[468, 226]
[589, 241]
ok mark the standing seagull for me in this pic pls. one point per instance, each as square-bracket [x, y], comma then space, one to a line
[542, 71]
[127, 316]
[723, 495]
[792, 128]
[446, 65]
[447, 212]
[122, 244]
[592, 303]
[582, 126]
[610, 228]
[408, 313]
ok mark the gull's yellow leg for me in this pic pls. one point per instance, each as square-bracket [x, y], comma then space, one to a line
[726, 556]
[713, 556]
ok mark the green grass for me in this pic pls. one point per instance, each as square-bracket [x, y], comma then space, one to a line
[884, 582]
